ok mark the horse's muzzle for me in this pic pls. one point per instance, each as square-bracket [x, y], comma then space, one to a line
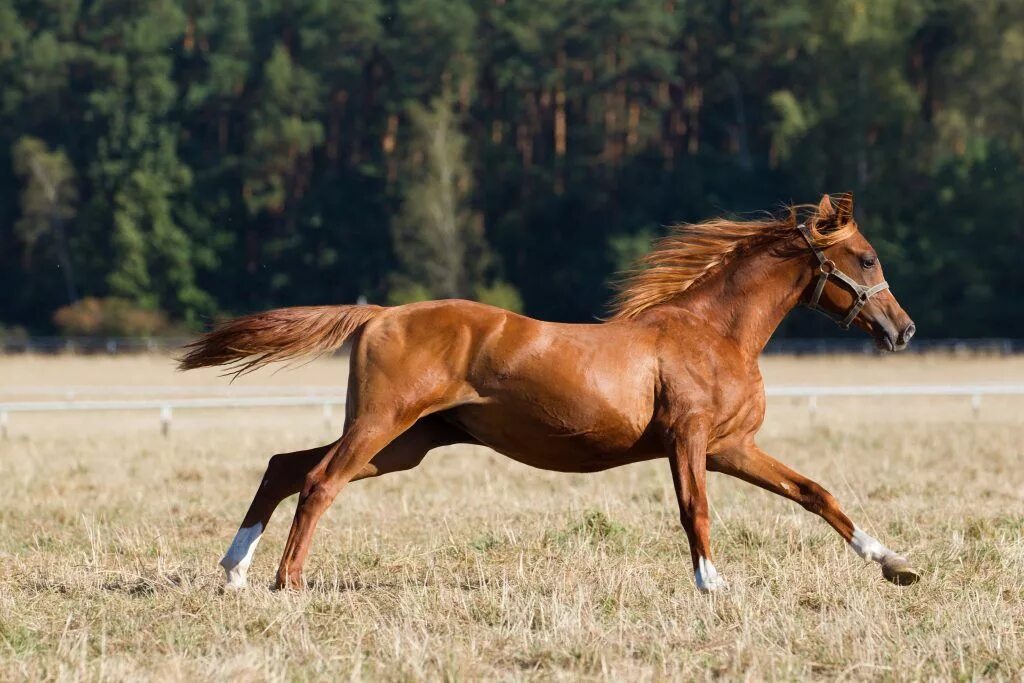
[890, 340]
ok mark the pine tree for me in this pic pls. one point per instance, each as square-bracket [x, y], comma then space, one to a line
[438, 238]
[48, 203]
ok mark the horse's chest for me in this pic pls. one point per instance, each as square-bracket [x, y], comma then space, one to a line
[740, 413]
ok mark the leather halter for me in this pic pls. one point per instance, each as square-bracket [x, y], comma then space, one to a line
[827, 269]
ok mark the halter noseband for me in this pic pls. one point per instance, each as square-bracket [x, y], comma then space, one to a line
[827, 269]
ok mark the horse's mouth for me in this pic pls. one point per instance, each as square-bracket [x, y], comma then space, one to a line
[885, 342]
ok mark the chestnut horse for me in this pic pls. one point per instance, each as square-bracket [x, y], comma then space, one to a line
[672, 374]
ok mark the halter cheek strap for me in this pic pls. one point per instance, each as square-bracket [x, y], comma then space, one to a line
[827, 269]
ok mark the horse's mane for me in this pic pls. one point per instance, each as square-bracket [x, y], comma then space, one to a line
[692, 251]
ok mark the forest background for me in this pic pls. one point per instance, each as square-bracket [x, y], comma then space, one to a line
[168, 162]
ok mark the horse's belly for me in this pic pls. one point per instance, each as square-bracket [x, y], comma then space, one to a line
[535, 437]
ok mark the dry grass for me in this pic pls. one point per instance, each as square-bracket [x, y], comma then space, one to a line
[475, 567]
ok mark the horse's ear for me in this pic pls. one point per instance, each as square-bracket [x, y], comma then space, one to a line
[825, 209]
[844, 207]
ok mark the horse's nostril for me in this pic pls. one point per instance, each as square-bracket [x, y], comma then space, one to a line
[908, 333]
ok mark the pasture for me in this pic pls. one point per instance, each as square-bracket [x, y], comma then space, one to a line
[474, 567]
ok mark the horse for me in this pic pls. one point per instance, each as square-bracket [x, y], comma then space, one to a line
[671, 373]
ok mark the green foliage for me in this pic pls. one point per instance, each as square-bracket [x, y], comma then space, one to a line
[209, 158]
[594, 528]
[48, 200]
[280, 135]
[792, 123]
[485, 543]
[627, 249]
[501, 294]
[408, 294]
[438, 240]
[13, 332]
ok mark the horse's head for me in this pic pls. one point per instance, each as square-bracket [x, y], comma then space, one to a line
[849, 285]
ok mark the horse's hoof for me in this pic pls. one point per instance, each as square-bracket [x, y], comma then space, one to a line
[718, 585]
[712, 584]
[897, 570]
[289, 583]
[234, 580]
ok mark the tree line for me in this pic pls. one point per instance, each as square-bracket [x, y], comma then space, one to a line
[166, 162]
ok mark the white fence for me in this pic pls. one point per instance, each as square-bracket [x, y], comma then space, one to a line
[901, 390]
[71, 392]
[322, 396]
[976, 391]
[167, 406]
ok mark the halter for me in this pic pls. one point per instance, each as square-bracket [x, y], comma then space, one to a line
[827, 269]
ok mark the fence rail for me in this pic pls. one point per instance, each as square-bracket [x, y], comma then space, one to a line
[859, 344]
[166, 407]
[327, 401]
[899, 390]
[73, 391]
[91, 345]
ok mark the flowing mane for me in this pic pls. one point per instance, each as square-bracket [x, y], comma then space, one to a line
[692, 251]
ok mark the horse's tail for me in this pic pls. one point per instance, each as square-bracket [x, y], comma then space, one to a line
[246, 343]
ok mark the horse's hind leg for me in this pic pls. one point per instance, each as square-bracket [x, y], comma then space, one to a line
[363, 439]
[284, 476]
[369, 447]
[753, 465]
[286, 473]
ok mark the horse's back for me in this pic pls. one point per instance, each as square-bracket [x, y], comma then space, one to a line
[491, 347]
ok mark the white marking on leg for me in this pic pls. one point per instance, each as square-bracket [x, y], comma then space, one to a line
[239, 555]
[868, 546]
[707, 577]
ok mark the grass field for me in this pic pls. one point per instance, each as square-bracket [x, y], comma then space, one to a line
[475, 567]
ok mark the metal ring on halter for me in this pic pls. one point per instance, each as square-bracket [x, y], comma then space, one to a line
[831, 267]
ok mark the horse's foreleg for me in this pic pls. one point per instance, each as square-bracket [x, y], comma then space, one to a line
[753, 465]
[687, 449]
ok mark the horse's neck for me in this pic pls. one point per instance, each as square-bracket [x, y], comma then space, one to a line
[748, 299]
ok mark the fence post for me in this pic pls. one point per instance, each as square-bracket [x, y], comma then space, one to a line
[3, 424]
[328, 413]
[976, 405]
[812, 406]
[165, 419]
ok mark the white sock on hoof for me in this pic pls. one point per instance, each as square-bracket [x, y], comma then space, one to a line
[868, 546]
[237, 559]
[707, 577]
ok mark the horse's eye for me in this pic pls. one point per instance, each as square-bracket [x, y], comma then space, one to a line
[868, 262]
